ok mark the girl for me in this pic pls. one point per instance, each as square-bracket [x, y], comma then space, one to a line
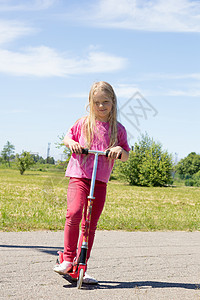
[98, 131]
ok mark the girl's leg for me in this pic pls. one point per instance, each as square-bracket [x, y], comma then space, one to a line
[76, 198]
[98, 204]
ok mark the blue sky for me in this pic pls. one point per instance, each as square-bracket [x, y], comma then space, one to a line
[52, 51]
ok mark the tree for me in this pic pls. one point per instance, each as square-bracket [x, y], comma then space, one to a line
[50, 160]
[196, 178]
[24, 161]
[148, 164]
[66, 151]
[38, 158]
[189, 165]
[7, 152]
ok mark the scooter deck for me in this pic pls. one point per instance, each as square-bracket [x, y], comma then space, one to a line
[74, 270]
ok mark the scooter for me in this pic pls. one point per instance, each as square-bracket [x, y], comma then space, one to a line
[79, 266]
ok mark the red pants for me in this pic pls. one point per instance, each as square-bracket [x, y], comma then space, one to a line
[77, 193]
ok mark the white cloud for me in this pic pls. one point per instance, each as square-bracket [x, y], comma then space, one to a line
[168, 76]
[121, 90]
[125, 90]
[21, 5]
[195, 76]
[74, 95]
[154, 15]
[46, 62]
[13, 111]
[186, 93]
[11, 30]
[43, 61]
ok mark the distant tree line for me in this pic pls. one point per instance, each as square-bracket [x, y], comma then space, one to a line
[148, 163]
[24, 160]
[41, 160]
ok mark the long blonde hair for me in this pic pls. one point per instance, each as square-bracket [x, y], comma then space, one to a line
[90, 121]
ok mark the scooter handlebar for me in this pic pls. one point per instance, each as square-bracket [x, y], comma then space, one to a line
[86, 151]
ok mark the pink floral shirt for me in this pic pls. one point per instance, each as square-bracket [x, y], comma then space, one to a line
[81, 167]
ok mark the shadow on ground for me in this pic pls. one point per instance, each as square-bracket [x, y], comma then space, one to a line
[110, 285]
[44, 249]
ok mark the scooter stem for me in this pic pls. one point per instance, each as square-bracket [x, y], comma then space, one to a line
[94, 172]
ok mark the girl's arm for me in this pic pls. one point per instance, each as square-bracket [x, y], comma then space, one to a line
[116, 151]
[75, 147]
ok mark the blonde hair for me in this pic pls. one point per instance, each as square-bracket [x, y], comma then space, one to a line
[90, 121]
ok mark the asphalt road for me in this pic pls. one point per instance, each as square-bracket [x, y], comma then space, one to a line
[128, 265]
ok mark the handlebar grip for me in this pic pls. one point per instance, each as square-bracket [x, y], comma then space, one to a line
[85, 151]
[107, 152]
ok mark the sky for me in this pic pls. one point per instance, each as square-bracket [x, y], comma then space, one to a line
[52, 51]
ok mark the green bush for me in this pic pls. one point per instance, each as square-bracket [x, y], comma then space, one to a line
[196, 178]
[189, 165]
[148, 164]
[24, 161]
[193, 180]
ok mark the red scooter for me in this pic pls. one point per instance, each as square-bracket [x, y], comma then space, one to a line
[78, 269]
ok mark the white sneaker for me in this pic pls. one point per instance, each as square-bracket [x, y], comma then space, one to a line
[63, 268]
[89, 280]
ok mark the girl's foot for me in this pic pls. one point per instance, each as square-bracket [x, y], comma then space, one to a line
[89, 280]
[63, 268]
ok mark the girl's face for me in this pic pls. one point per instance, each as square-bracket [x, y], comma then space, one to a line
[102, 106]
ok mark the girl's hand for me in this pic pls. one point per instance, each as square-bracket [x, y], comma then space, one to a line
[115, 152]
[75, 147]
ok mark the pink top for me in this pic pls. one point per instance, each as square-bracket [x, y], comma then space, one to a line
[81, 166]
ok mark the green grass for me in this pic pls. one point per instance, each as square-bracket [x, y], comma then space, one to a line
[37, 201]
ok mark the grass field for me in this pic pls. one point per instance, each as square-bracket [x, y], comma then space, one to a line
[37, 201]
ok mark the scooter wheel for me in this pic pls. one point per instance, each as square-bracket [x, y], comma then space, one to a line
[80, 279]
